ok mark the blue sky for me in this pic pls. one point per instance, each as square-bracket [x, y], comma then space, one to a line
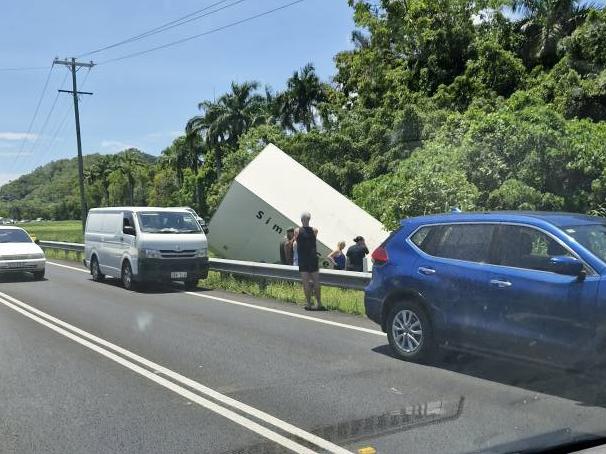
[145, 101]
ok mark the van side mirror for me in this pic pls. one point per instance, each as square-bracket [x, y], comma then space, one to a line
[203, 224]
[36, 240]
[566, 265]
[129, 230]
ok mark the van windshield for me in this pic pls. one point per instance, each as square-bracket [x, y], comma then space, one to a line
[168, 222]
[592, 236]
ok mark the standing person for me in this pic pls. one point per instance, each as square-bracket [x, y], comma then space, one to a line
[356, 254]
[337, 258]
[307, 254]
[286, 247]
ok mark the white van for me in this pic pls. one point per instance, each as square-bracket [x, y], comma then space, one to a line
[139, 245]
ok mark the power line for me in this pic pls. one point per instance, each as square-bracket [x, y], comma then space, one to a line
[167, 26]
[60, 125]
[25, 68]
[31, 123]
[189, 38]
[48, 116]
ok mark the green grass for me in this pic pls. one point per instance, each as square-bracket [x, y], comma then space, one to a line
[68, 231]
[342, 300]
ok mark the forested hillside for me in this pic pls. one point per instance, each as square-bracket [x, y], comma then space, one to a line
[51, 191]
[440, 103]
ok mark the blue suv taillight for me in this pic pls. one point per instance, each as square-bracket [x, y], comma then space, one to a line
[379, 256]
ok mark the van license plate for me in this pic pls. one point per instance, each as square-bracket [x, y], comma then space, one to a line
[178, 275]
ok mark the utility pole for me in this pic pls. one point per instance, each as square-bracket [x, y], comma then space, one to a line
[73, 65]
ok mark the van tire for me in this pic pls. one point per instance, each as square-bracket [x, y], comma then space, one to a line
[95, 271]
[38, 275]
[426, 351]
[191, 284]
[128, 281]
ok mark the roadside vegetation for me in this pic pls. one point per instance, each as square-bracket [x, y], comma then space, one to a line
[67, 231]
[476, 104]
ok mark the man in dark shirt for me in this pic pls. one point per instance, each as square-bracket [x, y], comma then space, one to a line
[286, 251]
[356, 254]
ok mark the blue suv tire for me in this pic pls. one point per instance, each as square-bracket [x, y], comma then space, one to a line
[410, 332]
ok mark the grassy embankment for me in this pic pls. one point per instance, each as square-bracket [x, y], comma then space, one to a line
[348, 301]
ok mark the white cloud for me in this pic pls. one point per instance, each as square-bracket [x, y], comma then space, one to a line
[6, 177]
[167, 135]
[9, 153]
[114, 146]
[17, 136]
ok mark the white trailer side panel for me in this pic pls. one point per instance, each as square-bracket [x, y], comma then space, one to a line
[281, 189]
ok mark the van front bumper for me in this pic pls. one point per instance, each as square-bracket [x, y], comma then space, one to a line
[165, 269]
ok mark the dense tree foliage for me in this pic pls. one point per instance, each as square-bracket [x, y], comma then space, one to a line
[438, 103]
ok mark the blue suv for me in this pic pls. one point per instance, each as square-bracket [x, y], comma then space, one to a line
[528, 285]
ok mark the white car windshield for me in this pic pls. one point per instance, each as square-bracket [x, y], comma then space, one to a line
[14, 236]
[168, 222]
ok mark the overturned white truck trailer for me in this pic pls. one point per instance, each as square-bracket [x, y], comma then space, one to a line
[268, 197]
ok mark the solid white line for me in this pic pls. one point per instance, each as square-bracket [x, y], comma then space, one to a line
[262, 308]
[289, 314]
[209, 392]
[82, 270]
[226, 413]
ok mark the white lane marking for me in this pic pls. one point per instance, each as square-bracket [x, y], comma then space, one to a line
[83, 270]
[289, 314]
[266, 309]
[226, 413]
[251, 411]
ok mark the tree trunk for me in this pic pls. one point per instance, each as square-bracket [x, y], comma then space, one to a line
[218, 162]
[131, 192]
[198, 188]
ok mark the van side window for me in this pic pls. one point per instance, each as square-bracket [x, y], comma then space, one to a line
[470, 242]
[128, 220]
[525, 247]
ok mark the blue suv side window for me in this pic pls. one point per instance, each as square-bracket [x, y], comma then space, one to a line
[525, 247]
[469, 242]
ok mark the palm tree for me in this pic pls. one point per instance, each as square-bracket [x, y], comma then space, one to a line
[545, 23]
[99, 172]
[130, 166]
[303, 94]
[224, 121]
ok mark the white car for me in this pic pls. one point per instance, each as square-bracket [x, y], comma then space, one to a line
[19, 253]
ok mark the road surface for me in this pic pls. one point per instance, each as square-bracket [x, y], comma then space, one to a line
[90, 367]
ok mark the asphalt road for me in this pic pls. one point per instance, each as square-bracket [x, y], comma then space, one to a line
[89, 367]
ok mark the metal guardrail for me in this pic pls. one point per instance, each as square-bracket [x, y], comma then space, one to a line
[331, 278]
[61, 246]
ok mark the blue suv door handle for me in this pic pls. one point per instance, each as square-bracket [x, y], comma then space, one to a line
[426, 270]
[499, 283]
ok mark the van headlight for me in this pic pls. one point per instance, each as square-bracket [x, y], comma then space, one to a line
[150, 254]
[203, 253]
[35, 256]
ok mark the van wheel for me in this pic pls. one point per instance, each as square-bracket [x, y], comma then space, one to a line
[191, 284]
[38, 275]
[95, 271]
[127, 277]
[410, 333]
